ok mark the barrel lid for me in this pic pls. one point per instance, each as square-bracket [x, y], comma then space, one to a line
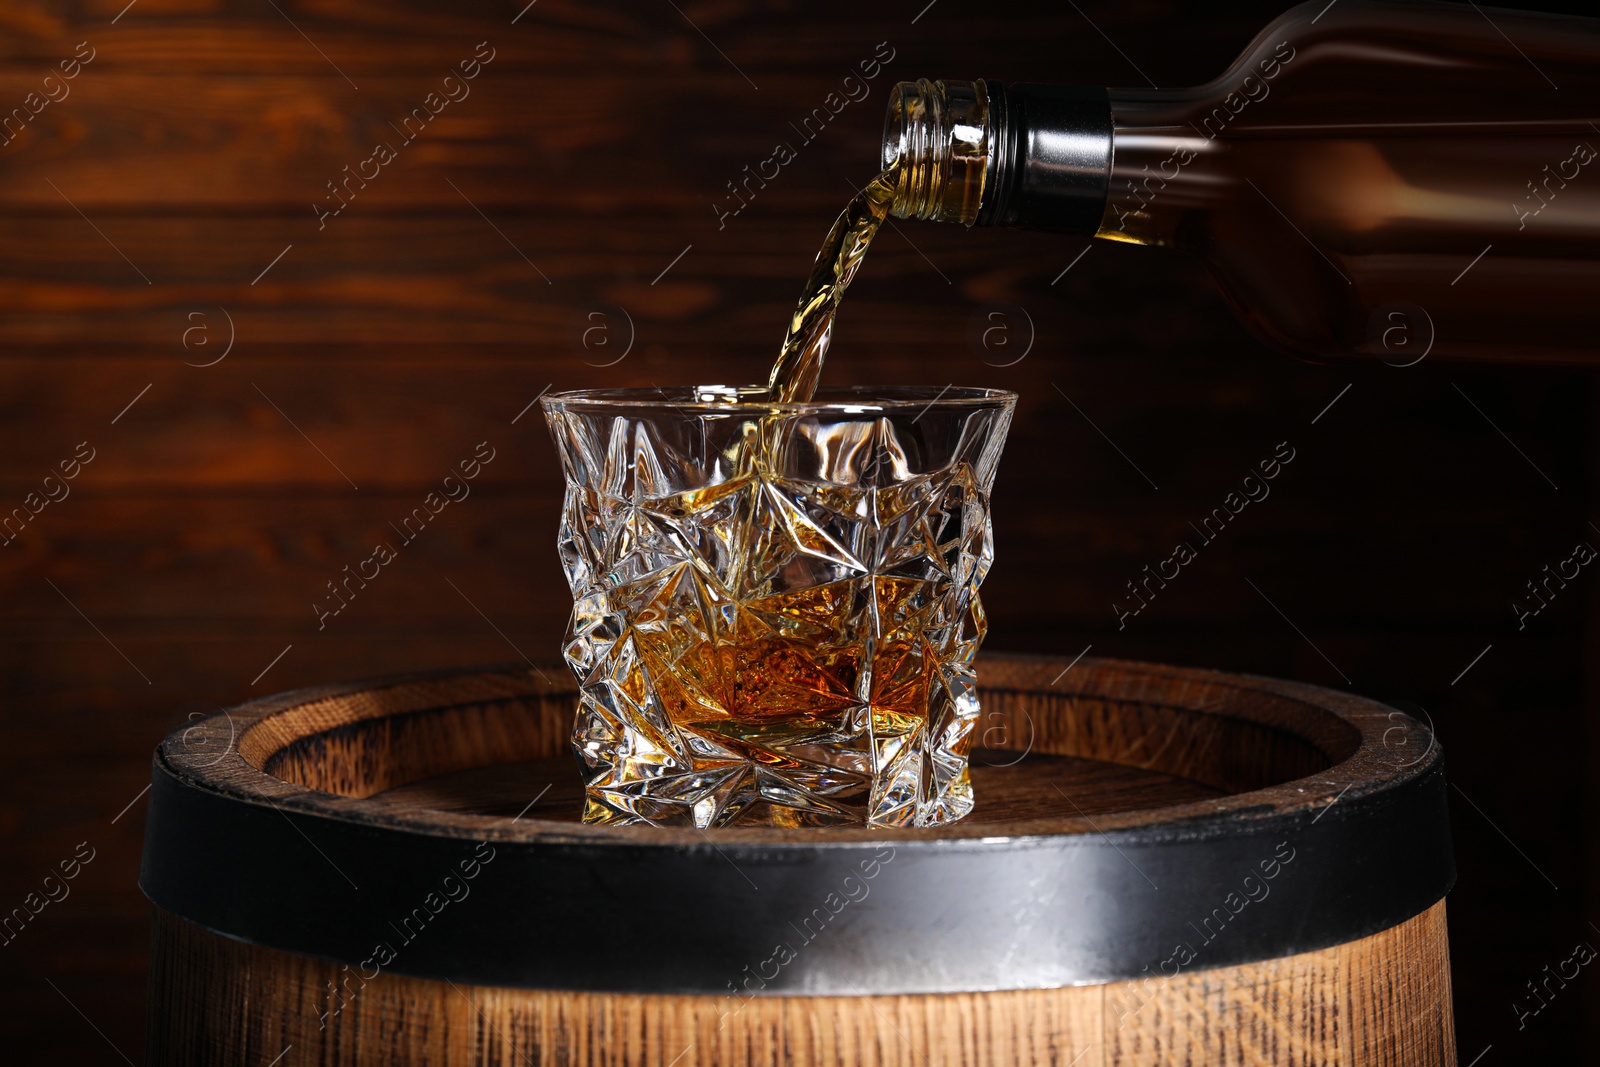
[1132, 820]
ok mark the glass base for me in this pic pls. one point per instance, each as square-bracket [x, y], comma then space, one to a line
[860, 768]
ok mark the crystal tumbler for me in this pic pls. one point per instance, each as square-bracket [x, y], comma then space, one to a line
[776, 605]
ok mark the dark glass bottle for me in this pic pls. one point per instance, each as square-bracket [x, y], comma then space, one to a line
[1368, 178]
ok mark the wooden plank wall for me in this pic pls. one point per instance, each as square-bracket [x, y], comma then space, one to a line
[165, 204]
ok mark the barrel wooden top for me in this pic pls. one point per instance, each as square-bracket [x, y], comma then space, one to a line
[1116, 802]
[1015, 787]
[360, 749]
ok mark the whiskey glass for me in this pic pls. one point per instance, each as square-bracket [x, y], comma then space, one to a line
[775, 605]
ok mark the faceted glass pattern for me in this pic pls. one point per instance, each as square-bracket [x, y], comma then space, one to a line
[776, 605]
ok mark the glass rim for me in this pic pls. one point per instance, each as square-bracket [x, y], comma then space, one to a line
[829, 399]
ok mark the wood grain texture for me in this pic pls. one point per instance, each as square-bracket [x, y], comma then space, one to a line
[1013, 786]
[597, 141]
[1382, 1001]
[1251, 744]
[1149, 749]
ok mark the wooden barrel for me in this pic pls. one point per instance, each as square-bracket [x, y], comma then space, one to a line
[1164, 866]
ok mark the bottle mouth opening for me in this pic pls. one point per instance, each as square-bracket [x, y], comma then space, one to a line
[936, 141]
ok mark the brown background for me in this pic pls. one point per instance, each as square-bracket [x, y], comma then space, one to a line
[408, 330]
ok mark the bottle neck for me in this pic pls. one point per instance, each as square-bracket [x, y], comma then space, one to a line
[979, 153]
